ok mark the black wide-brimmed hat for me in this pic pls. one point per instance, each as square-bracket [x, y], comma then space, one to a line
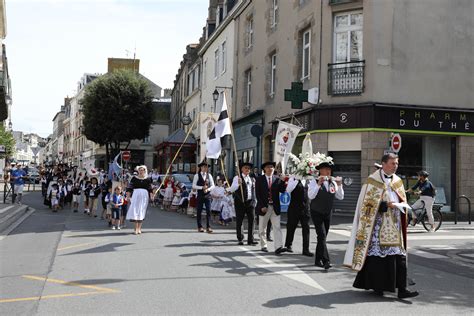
[325, 164]
[268, 163]
[245, 164]
[203, 163]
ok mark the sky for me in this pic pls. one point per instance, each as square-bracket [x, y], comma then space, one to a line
[50, 44]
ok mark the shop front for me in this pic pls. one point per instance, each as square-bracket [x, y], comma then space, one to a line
[439, 140]
[185, 161]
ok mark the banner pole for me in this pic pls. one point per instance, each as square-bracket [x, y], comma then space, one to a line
[236, 157]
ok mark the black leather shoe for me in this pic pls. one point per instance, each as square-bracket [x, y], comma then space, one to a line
[378, 292]
[289, 249]
[308, 254]
[407, 294]
[269, 239]
[241, 243]
[280, 250]
[327, 265]
[252, 243]
[264, 249]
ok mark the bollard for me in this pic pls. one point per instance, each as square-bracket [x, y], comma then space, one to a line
[456, 207]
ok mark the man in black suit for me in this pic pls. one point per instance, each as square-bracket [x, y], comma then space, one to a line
[245, 201]
[322, 194]
[268, 188]
[298, 212]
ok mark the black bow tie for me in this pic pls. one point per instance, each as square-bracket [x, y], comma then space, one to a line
[388, 177]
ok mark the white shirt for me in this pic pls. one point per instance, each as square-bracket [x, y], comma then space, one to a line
[235, 185]
[313, 189]
[203, 174]
[292, 183]
[390, 193]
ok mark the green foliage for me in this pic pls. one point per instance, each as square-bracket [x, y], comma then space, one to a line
[117, 108]
[7, 140]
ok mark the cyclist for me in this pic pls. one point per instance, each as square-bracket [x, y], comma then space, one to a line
[427, 192]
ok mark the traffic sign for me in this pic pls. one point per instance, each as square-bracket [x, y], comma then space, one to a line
[396, 142]
[126, 155]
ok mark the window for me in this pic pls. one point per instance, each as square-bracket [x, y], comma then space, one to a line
[348, 37]
[250, 32]
[273, 75]
[223, 57]
[306, 56]
[248, 94]
[216, 63]
[274, 13]
[146, 140]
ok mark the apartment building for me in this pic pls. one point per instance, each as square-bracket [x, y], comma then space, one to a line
[371, 68]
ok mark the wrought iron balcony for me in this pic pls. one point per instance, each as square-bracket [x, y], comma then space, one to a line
[346, 79]
[335, 2]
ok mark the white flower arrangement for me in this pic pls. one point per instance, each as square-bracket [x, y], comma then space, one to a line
[306, 164]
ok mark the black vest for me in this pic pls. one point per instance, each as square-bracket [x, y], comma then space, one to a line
[323, 201]
[238, 194]
[201, 181]
[299, 199]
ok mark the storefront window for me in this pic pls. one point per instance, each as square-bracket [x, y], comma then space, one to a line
[430, 153]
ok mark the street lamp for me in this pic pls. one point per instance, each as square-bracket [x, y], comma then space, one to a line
[10, 125]
[215, 97]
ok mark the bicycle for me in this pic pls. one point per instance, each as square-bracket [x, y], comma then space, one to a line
[422, 217]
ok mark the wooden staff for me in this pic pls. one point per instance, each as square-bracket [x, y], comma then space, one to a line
[175, 156]
[236, 157]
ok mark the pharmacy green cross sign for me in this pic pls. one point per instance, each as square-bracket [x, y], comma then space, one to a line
[296, 95]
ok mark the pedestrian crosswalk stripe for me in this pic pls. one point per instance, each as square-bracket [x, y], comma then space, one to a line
[295, 274]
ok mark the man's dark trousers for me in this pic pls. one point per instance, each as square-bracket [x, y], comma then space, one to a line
[248, 210]
[295, 217]
[201, 203]
[321, 223]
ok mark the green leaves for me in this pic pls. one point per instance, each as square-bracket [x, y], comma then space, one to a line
[117, 108]
[7, 140]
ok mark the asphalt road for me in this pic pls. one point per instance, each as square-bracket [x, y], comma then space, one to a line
[70, 264]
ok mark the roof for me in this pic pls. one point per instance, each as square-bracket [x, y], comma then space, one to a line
[178, 136]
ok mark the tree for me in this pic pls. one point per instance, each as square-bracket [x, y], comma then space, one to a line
[117, 108]
[7, 140]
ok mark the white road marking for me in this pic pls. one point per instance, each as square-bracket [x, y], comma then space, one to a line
[295, 274]
[426, 254]
[3, 210]
[440, 247]
[428, 236]
[434, 236]
[342, 232]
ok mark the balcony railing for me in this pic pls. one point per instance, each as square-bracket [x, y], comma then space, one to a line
[345, 79]
[335, 2]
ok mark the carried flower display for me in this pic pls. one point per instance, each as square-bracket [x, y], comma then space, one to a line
[306, 164]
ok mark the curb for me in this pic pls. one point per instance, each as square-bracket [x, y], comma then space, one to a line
[13, 220]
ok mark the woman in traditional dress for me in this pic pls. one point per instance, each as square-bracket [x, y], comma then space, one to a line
[169, 193]
[217, 194]
[176, 200]
[140, 187]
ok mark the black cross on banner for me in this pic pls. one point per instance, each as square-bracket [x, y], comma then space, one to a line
[296, 95]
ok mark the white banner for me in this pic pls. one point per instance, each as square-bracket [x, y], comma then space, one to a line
[284, 140]
[206, 124]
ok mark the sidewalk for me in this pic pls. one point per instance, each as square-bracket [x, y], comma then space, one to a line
[11, 215]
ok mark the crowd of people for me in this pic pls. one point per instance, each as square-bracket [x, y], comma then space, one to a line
[256, 196]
